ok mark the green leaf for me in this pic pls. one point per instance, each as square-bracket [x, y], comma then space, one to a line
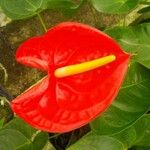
[92, 141]
[48, 146]
[61, 4]
[134, 40]
[146, 2]
[114, 6]
[140, 148]
[21, 126]
[68, 7]
[70, 11]
[21, 9]
[36, 140]
[137, 134]
[145, 138]
[1, 123]
[40, 141]
[27, 146]
[11, 139]
[131, 103]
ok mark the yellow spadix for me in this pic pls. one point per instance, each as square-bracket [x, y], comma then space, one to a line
[83, 67]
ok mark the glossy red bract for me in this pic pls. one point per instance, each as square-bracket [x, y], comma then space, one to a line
[63, 104]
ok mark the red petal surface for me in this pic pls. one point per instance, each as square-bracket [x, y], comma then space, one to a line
[67, 103]
[34, 53]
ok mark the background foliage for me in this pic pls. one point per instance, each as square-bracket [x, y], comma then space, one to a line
[125, 124]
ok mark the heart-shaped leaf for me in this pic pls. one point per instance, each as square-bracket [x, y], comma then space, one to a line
[131, 103]
[61, 4]
[138, 134]
[21, 9]
[114, 6]
[40, 140]
[14, 139]
[21, 136]
[135, 40]
[92, 141]
[21, 126]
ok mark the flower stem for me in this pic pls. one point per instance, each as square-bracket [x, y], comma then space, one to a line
[55, 135]
[5, 73]
[70, 139]
[42, 22]
[4, 99]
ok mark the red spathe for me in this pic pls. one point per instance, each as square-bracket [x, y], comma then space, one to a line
[63, 104]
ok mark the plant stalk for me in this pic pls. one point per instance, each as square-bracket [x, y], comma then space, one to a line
[42, 22]
[5, 73]
[53, 136]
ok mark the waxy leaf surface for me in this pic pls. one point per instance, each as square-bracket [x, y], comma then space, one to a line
[137, 134]
[134, 39]
[22, 9]
[92, 141]
[18, 135]
[114, 6]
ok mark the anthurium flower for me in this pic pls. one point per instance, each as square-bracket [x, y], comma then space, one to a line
[85, 69]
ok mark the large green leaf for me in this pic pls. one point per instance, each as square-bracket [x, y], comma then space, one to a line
[68, 7]
[92, 141]
[27, 146]
[61, 4]
[20, 9]
[24, 136]
[134, 39]
[140, 148]
[40, 141]
[137, 134]
[114, 6]
[21, 126]
[11, 139]
[146, 2]
[131, 103]
[145, 139]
